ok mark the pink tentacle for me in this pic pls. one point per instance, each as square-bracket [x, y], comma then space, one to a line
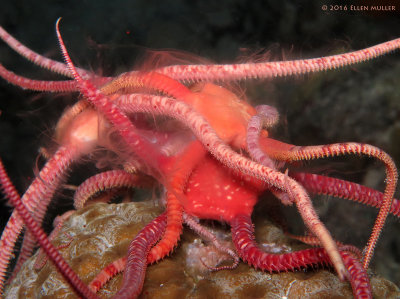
[120, 265]
[36, 198]
[313, 241]
[264, 70]
[79, 287]
[140, 146]
[301, 153]
[136, 260]
[44, 62]
[319, 184]
[208, 235]
[37, 85]
[58, 222]
[134, 81]
[243, 238]
[267, 116]
[102, 181]
[359, 279]
[105, 275]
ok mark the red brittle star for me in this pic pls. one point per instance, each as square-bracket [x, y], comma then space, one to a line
[219, 120]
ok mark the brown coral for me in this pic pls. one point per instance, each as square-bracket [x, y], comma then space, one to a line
[101, 234]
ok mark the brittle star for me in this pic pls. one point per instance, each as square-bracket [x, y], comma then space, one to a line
[220, 137]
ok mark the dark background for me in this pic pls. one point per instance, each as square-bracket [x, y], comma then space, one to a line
[359, 103]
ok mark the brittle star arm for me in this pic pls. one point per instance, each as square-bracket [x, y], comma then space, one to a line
[119, 265]
[136, 263]
[37, 85]
[264, 70]
[181, 170]
[79, 139]
[105, 181]
[44, 62]
[183, 165]
[37, 197]
[313, 241]
[290, 153]
[243, 238]
[22, 211]
[320, 184]
[141, 244]
[129, 133]
[52, 65]
[296, 153]
[208, 235]
[41, 258]
[267, 117]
